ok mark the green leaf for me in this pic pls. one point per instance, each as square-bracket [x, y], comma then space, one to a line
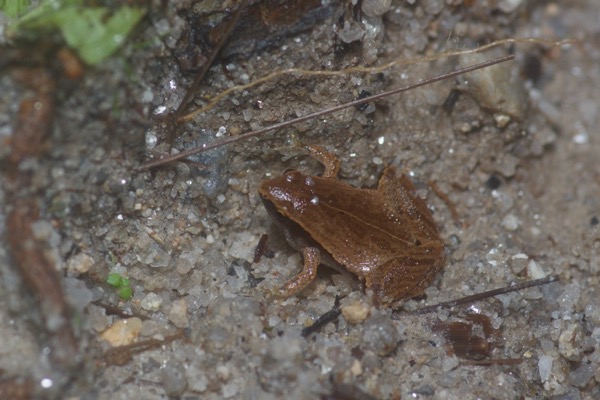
[94, 32]
[125, 293]
[114, 279]
[92, 35]
[14, 8]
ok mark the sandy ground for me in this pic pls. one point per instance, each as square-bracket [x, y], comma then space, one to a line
[517, 160]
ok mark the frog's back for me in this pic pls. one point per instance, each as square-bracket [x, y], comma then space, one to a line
[361, 228]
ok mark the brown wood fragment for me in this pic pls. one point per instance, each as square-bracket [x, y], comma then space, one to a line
[122, 355]
[16, 389]
[43, 281]
[33, 123]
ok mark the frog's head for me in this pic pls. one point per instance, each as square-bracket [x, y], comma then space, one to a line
[288, 194]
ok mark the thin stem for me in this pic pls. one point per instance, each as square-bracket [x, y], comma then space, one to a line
[481, 296]
[248, 135]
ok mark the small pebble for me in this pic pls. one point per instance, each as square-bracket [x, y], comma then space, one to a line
[508, 6]
[356, 368]
[151, 302]
[230, 390]
[123, 332]
[355, 312]
[449, 363]
[535, 271]
[173, 379]
[518, 262]
[569, 342]
[380, 335]
[79, 264]
[376, 8]
[511, 223]
[582, 375]
[196, 378]
[545, 367]
[501, 120]
[178, 314]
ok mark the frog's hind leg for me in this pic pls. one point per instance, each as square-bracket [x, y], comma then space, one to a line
[312, 259]
[406, 277]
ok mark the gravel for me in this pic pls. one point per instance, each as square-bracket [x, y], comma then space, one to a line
[514, 151]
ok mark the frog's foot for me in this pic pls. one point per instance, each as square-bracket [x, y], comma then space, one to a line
[331, 162]
[312, 259]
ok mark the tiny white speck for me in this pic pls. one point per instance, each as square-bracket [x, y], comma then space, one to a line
[46, 383]
[123, 181]
[475, 309]
[172, 84]
[381, 140]
[120, 217]
[314, 201]
[151, 139]
[160, 110]
[221, 131]
[581, 137]
[147, 96]
[309, 181]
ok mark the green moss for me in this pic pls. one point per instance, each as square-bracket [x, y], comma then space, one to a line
[125, 293]
[114, 280]
[122, 285]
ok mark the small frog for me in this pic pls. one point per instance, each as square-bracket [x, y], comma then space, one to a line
[386, 237]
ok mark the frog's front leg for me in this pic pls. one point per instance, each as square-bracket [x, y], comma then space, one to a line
[331, 162]
[312, 258]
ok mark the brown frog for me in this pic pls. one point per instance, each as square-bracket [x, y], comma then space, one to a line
[386, 237]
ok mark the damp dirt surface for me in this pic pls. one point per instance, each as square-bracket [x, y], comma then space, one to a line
[511, 150]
